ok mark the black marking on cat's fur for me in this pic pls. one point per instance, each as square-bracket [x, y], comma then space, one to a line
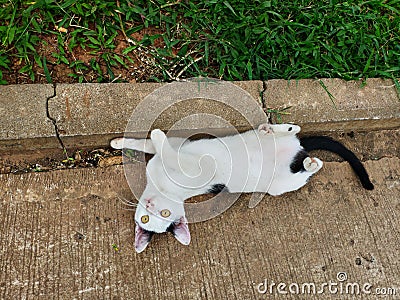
[218, 188]
[149, 234]
[171, 228]
[326, 143]
[297, 162]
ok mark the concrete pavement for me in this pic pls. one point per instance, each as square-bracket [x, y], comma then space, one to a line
[66, 235]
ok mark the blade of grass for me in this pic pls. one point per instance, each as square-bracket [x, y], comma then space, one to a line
[46, 71]
[332, 97]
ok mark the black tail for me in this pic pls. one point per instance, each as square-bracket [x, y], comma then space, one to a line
[325, 143]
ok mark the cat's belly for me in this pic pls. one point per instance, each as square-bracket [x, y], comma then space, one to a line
[249, 174]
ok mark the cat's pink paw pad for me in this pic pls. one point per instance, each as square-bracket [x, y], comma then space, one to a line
[265, 129]
[312, 164]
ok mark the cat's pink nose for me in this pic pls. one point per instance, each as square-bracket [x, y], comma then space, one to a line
[149, 204]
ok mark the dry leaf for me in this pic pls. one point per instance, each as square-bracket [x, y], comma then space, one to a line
[61, 29]
[110, 161]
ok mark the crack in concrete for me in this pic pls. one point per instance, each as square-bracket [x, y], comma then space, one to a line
[263, 104]
[54, 121]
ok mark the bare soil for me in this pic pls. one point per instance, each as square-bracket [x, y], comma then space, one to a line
[54, 159]
[140, 67]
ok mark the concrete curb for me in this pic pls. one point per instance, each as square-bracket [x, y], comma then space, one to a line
[89, 115]
[334, 104]
[24, 124]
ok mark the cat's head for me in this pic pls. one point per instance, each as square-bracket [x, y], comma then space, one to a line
[157, 214]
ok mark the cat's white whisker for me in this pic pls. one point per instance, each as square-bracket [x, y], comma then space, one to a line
[127, 202]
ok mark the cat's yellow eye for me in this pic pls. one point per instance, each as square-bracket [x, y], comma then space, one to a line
[165, 213]
[144, 219]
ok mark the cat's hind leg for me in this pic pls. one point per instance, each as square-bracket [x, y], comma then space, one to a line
[281, 129]
[265, 129]
[144, 145]
[312, 164]
[294, 181]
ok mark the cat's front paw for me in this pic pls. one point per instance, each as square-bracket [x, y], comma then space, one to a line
[117, 143]
[265, 129]
[157, 135]
[312, 164]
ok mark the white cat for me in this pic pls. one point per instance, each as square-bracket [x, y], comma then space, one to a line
[270, 159]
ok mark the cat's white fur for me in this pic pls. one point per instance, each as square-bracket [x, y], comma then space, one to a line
[254, 161]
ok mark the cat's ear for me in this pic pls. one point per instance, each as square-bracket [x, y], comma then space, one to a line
[181, 231]
[142, 238]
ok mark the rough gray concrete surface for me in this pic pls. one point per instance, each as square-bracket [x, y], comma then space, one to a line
[335, 104]
[66, 235]
[23, 116]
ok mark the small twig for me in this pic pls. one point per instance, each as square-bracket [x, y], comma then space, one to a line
[129, 40]
[116, 78]
[186, 67]
[169, 4]
[77, 26]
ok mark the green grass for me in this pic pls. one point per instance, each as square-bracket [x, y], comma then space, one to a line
[168, 40]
